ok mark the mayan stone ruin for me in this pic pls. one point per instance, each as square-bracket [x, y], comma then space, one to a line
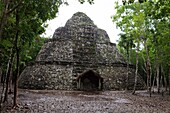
[79, 56]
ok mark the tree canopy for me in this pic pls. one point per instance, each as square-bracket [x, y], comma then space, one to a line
[146, 23]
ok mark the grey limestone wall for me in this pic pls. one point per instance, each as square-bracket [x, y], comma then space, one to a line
[79, 18]
[114, 77]
[56, 51]
[102, 36]
[47, 77]
[107, 52]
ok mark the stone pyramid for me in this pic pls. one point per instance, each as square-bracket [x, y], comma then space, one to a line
[79, 56]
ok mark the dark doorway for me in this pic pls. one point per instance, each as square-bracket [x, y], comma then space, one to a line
[89, 81]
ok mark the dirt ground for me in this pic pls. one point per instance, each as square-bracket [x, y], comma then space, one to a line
[50, 101]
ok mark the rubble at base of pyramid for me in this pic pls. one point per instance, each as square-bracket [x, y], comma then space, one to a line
[80, 56]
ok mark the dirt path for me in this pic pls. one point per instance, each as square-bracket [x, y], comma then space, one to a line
[33, 101]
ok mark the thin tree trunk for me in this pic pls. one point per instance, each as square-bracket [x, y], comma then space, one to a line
[157, 71]
[4, 17]
[169, 80]
[5, 14]
[166, 84]
[16, 81]
[8, 74]
[136, 71]
[10, 77]
[164, 79]
[2, 96]
[151, 77]
[161, 84]
[10, 80]
[148, 69]
[1, 77]
[17, 64]
[127, 74]
[157, 78]
[153, 83]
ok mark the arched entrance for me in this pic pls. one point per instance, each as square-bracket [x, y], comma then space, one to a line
[89, 81]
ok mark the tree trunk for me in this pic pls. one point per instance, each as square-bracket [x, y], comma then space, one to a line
[154, 79]
[17, 64]
[1, 77]
[8, 74]
[148, 69]
[10, 79]
[164, 78]
[166, 85]
[157, 78]
[17, 60]
[4, 17]
[127, 74]
[169, 80]
[16, 80]
[161, 84]
[157, 71]
[136, 71]
[150, 77]
[7, 10]
[2, 96]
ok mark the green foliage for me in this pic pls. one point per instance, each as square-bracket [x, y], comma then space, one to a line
[147, 23]
[29, 51]
[32, 16]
